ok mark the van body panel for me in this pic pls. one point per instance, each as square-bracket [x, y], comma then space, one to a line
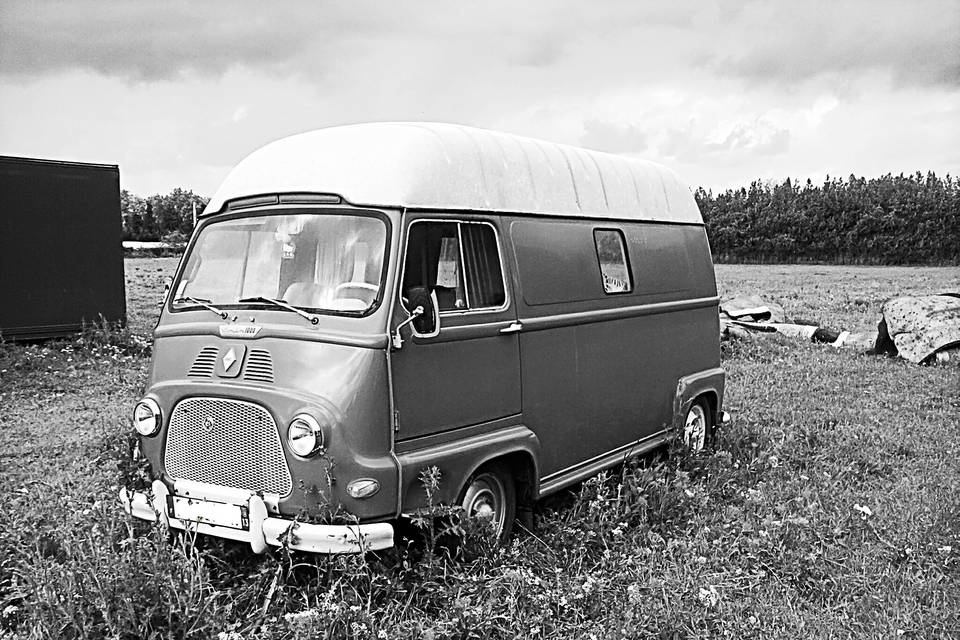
[344, 387]
[710, 383]
[604, 315]
[458, 455]
[599, 371]
[557, 264]
[431, 396]
[467, 375]
[449, 167]
[556, 481]
[275, 324]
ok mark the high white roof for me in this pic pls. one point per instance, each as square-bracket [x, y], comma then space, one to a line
[445, 166]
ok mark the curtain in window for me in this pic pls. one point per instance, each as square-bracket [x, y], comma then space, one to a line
[484, 278]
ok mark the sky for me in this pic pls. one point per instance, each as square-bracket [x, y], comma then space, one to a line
[722, 92]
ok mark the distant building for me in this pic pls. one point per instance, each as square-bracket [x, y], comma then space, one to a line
[61, 262]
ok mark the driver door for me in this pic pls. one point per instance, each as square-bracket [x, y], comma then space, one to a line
[469, 373]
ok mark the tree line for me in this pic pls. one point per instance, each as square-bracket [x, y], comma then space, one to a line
[912, 219]
[167, 217]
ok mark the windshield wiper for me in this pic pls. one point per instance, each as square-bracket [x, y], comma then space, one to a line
[283, 305]
[203, 302]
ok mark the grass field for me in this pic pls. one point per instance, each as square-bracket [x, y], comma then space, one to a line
[830, 508]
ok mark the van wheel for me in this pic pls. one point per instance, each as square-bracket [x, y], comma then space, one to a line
[490, 493]
[697, 427]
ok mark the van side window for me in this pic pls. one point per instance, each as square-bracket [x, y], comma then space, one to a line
[612, 254]
[459, 261]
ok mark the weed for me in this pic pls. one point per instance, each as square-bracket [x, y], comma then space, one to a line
[827, 509]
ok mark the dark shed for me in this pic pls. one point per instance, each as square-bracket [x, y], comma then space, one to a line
[61, 258]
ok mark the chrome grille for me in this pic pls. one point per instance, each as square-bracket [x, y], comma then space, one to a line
[230, 443]
[259, 366]
[204, 364]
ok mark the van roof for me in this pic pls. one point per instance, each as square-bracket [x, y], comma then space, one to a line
[445, 166]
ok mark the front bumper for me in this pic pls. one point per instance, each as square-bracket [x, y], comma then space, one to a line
[261, 530]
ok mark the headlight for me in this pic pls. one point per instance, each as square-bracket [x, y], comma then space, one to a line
[304, 436]
[146, 417]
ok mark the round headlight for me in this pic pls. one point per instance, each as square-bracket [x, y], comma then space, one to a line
[146, 417]
[304, 435]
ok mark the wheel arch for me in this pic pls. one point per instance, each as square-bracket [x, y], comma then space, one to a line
[517, 448]
[708, 384]
[522, 467]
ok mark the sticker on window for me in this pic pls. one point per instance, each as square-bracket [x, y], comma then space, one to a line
[448, 265]
[612, 255]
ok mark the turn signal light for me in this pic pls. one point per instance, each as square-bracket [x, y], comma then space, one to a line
[363, 488]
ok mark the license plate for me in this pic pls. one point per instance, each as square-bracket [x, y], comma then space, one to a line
[220, 514]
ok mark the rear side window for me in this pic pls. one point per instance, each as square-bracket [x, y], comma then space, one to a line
[460, 261]
[612, 255]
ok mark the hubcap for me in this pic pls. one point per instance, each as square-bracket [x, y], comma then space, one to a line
[695, 428]
[484, 499]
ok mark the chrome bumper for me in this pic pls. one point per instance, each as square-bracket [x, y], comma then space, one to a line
[263, 530]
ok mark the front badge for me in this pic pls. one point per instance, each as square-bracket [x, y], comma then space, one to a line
[231, 361]
[239, 330]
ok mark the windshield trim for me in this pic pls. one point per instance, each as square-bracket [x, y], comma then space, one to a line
[281, 210]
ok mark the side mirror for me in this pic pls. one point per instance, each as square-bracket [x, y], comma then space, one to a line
[424, 317]
[426, 324]
[167, 283]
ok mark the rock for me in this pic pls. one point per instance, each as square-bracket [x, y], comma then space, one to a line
[920, 326]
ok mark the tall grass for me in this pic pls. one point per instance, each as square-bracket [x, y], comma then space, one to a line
[827, 509]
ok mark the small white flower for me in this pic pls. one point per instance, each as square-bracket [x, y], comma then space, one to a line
[709, 596]
[299, 616]
[865, 511]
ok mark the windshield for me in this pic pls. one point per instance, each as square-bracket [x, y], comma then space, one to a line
[328, 262]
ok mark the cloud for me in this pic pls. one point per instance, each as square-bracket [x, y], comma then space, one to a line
[141, 40]
[621, 41]
[146, 41]
[914, 43]
[613, 137]
[743, 139]
[719, 90]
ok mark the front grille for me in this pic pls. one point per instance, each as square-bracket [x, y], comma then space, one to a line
[230, 443]
[204, 363]
[259, 366]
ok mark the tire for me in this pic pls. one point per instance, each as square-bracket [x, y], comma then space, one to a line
[491, 493]
[697, 426]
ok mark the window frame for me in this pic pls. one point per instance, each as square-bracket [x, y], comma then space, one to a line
[626, 261]
[274, 210]
[458, 221]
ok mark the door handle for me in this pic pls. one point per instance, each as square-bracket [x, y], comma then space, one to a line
[513, 328]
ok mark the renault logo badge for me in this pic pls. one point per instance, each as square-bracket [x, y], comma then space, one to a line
[231, 360]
